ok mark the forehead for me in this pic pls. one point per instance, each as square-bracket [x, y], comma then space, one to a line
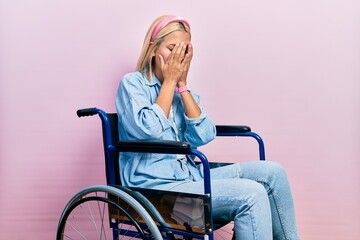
[176, 37]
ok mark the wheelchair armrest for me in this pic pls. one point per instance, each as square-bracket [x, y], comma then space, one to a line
[153, 146]
[230, 130]
[243, 131]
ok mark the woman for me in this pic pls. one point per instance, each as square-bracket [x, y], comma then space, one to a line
[155, 103]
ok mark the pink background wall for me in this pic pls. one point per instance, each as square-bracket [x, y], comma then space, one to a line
[289, 69]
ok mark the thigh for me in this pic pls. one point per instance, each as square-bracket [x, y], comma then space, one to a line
[225, 172]
[254, 170]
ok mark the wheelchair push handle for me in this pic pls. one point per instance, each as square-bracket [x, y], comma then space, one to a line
[86, 112]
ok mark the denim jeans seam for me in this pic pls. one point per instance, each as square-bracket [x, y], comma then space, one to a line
[278, 208]
[253, 222]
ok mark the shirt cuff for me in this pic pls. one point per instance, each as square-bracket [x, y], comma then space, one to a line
[162, 118]
[194, 121]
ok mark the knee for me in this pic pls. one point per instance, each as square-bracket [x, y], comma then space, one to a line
[257, 194]
[276, 170]
[236, 191]
[239, 197]
[256, 203]
[274, 177]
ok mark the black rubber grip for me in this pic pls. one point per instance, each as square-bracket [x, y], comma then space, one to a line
[232, 129]
[86, 112]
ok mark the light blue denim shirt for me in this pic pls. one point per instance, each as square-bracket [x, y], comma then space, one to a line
[141, 118]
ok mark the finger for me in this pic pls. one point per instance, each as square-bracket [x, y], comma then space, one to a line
[190, 50]
[189, 54]
[173, 55]
[188, 57]
[186, 62]
[162, 61]
[183, 51]
[179, 53]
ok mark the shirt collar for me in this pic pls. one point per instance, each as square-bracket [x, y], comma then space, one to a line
[154, 81]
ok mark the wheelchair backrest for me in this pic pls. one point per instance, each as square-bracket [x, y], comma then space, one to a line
[111, 157]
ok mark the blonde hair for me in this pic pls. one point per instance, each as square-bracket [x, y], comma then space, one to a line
[146, 62]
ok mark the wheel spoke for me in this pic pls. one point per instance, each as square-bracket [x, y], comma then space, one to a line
[86, 216]
[75, 229]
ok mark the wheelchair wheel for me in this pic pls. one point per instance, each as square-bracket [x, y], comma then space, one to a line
[105, 212]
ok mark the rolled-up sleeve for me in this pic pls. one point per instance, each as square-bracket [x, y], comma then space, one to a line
[140, 116]
[199, 131]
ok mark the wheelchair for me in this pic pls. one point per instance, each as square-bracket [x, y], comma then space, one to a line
[113, 211]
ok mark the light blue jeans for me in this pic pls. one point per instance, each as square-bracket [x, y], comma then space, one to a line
[255, 195]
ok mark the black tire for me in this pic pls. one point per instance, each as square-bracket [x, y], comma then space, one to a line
[86, 216]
